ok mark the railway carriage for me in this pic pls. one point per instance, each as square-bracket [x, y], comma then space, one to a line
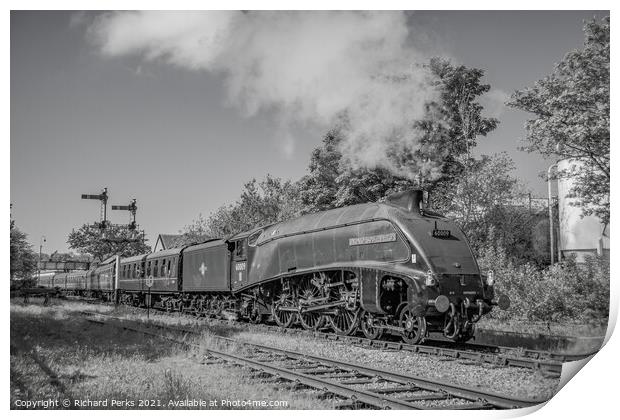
[76, 282]
[102, 279]
[161, 271]
[59, 281]
[131, 274]
[45, 279]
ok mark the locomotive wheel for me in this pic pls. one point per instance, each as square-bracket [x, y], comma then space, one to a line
[370, 331]
[415, 326]
[310, 320]
[283, 318]
[345, 322]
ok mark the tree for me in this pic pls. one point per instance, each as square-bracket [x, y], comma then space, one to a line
[117, 240]
[23, 262]
[448, 132]
[487, 199]
[318, 190]
[261, 203]
[571, 117]
[486, 185]
[453, 125]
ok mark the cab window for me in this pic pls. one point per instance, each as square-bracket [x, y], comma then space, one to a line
[240, 249]
[254, 238]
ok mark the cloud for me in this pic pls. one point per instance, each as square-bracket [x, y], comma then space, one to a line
[78, 19]
[307, 67]
[494, 102]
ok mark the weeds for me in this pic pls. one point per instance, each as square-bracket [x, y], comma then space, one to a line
[566, 292]
[104, 363]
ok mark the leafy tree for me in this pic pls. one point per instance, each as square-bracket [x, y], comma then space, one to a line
[448, 133]
[115, 240]
[571, 117]
[486, 200]
[23, 262]
[486, 185]
[261, 203]
[319, 189]
[197, 231]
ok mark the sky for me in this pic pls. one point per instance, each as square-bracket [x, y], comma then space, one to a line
[138, 107]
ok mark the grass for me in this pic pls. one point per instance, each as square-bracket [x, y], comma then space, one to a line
[104, 363]
[564, 329]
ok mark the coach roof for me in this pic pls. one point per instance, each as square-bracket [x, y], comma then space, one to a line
[135, 258]
[164, 253]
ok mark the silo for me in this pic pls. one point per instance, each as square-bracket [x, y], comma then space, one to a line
[579, 236]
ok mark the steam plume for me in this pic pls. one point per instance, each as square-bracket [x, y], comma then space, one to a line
[309, 67]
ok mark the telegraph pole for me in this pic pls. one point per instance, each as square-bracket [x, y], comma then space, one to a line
[41, 242]
[551, 228]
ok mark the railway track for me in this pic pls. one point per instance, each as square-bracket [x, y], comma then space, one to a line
[356, 386]
[546, 362]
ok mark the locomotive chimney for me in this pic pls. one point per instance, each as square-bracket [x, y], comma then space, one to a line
[408, 200]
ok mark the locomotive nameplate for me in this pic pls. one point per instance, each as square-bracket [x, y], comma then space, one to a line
[440, 233]
[376, 239]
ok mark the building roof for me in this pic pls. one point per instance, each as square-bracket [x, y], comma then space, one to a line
[171, 241]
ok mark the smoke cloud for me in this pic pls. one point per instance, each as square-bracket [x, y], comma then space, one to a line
[351, 69]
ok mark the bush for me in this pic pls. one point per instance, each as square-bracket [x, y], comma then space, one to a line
[564, 292]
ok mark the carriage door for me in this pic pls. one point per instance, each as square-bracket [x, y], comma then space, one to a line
[239, 264]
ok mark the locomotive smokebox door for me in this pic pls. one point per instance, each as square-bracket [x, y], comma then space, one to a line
[239, 263]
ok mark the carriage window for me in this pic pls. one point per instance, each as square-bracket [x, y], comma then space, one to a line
[169, 273]
[173, 272]
[148, 269]
[162, 270]
[155, 272]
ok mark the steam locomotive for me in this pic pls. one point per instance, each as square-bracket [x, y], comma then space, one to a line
[391, 267]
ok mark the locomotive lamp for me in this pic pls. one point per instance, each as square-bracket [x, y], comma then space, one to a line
[430, 280]
[490, 278]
